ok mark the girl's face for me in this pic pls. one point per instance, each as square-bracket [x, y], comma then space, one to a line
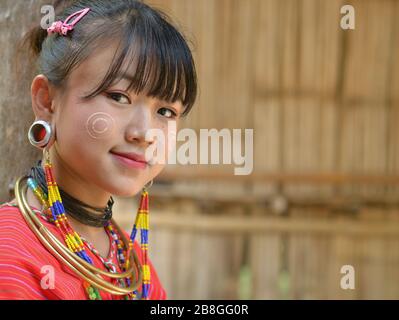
[90, 131]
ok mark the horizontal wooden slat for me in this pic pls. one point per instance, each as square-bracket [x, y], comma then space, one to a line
[226, 224]
[309, 178]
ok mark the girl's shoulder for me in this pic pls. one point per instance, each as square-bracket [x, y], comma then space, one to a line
[15, 231]
[13, 224]
[22, 258]
[16, 235]
[8, 206]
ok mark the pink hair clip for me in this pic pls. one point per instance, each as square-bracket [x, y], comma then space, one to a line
[62, 28]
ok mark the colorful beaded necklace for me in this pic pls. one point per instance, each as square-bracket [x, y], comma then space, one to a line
[54, 212]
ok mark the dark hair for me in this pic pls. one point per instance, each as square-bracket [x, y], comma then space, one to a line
[164, 66]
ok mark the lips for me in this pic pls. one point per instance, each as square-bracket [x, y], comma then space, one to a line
[129, 159]
[130, 155]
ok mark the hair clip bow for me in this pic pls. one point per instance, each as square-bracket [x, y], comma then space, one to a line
[62, 28]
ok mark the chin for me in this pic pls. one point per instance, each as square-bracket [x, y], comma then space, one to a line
[126, 192]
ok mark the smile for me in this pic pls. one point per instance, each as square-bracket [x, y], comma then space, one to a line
[130, 160]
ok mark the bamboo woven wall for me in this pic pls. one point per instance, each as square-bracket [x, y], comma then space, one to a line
[323, 103]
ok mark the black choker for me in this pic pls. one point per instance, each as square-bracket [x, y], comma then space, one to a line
[96, 217]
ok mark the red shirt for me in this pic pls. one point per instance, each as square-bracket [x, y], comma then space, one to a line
[25, 264]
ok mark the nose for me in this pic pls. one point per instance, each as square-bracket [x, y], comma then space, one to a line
[140, 123]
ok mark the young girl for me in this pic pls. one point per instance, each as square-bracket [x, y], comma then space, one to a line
[110, 70]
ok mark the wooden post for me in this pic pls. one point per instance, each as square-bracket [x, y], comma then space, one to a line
[17, 156]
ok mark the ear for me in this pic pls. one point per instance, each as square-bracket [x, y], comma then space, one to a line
[42, 98]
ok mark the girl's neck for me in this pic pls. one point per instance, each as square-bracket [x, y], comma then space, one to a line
[86, 231]
[74, 185]
[70, 182]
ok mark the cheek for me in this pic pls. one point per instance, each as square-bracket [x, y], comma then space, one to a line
[92, 125]
[99, 126]
[86, 133]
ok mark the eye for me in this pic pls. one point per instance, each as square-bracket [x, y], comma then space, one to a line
[168, 113]
[118, 97]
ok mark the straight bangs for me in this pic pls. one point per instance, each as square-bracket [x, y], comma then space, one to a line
[156, 59]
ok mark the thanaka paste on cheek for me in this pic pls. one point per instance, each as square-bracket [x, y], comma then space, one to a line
[100, 125]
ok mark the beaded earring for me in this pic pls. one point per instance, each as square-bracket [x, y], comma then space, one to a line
[71, 237]
[142, 223]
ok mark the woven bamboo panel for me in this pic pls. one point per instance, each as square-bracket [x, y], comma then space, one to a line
[202, 266]
[371, 43]
[394, 70]
[266, 264]
[267, 141]
[295, 257]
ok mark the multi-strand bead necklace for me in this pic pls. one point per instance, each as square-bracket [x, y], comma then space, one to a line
[54, 212]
